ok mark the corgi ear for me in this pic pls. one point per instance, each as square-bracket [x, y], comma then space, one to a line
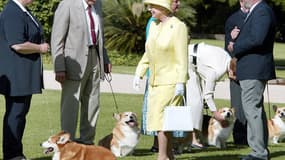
[117, 116]
[233, 110]
[274, 108]
[63, 138]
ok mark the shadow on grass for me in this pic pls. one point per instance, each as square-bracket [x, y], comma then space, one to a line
[42, 158]
[277, 154]
[230, 146]
[280, 62]
[142, 152]
[215, 157]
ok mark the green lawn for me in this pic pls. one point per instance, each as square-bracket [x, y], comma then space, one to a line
[43, 121]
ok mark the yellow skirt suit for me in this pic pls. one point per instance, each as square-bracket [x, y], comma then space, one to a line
[166, 57]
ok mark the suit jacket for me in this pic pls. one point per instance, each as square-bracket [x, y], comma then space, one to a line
[69, 39]
[236, 19]
[254, 46]
[166, 53]
[20, 74]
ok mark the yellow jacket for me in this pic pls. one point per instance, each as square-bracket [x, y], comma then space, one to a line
[165, 53]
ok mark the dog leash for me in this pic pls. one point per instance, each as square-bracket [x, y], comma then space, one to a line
[108, 78]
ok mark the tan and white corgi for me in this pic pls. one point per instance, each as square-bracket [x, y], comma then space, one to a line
[218, 134]
[125, 135]
[276, 125]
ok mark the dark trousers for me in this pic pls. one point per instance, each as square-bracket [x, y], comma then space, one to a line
[14, 124]
[240, 128]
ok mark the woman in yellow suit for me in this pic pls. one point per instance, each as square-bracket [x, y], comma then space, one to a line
[166, 58]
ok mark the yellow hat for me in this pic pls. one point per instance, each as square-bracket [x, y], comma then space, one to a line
[163, 3]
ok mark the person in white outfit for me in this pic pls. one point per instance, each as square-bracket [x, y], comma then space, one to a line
[207, 64]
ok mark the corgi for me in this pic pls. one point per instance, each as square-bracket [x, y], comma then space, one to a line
[276, 125]
[217, 133]
[125, 135]
[65, 149]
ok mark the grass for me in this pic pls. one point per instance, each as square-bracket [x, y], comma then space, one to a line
[43, 121]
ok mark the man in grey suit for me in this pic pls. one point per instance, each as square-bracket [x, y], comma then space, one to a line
[80, 61]
[253, 49]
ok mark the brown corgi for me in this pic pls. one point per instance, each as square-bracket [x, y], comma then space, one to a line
[65, 149]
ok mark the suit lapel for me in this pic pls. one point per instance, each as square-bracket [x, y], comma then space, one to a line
[252, 12]
[33, 18]
[80, 13]
[98, 17]
[100, 35]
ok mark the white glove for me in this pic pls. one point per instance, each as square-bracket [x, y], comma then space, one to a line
[211, 104]
[136, 83]
[179, 89]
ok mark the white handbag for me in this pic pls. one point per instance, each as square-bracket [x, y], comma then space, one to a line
[177, 118]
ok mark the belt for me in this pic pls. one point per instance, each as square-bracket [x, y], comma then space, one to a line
[92, 46]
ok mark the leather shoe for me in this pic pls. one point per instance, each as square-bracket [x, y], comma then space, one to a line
[197, 146]
[19, 158]
[154, 149]
[83, 142]
[250, 157]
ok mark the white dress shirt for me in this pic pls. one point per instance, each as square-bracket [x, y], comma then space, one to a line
[95, 17]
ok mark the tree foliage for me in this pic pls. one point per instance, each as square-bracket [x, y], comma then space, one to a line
[125, 20]
[44, 11]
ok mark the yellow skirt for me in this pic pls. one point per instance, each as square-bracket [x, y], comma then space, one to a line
[158, 98]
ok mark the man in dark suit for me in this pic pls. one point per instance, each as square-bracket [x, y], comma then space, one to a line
[235, 21]
[253, 49]
[21, 43]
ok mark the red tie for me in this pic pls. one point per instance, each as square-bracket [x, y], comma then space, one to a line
[92, 25]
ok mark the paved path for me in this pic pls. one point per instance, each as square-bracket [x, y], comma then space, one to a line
[122, 83]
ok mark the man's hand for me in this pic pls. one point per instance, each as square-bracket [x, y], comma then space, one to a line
[235, 33]
[108, 68]
[44, 48]
[218, 116]
[231, 47]
[232, 69]
[60, 76]
[221, 119]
